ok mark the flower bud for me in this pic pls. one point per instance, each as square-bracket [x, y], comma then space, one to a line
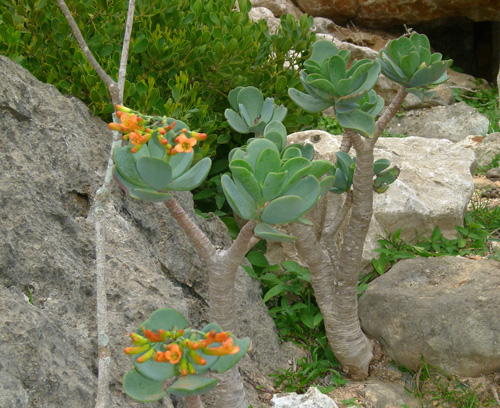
[137, 350]
[146, 356]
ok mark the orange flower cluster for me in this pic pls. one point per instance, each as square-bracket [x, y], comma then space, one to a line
[133, 129]
[178, 350]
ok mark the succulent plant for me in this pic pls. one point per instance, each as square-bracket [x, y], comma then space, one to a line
[384, 176]
[274, 187]
[344, 173]
[251, 113]
[152, 172]
[167, 327]
[409, 62]
[328, 82]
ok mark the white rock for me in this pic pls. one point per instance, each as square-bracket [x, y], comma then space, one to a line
[313, 398]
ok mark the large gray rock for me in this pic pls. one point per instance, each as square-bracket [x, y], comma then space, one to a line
[434, 187]
[52, 161]
[454, 122]
[444, 309]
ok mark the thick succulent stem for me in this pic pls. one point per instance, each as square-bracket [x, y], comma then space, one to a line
[352, 348]
[194, 401]
[200, 241]
[389, 113]
[222, 267]
[229, 391]
[222, 275]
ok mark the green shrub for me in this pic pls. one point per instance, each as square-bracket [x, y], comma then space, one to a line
[185, 56]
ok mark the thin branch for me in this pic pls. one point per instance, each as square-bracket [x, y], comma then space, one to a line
[197, 237]
[389, 113]
[112, 85]
[243, 242]
[126, 45]
[102, 206]
[345, 145]
[332, 229]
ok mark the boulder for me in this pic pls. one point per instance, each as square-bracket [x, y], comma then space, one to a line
[488, 149]
[454, 122]
[313, 398]
[434, 188]
[53, 158]
[442, 309]
[263, 13]
[386, 13]
[279, 7]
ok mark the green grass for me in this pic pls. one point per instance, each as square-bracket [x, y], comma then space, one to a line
[485, 101]
[436, 388]
[290, 299]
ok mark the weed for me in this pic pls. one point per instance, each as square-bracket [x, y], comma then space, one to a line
[494, 163]
[433, 386]
[330, 124]
[485, 101]
[292, 305]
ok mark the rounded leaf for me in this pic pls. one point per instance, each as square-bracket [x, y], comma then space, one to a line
[192, 385]
[125, 164]
[269, 233]
[155, 172]
[282, 210]
[193, 177]
[142, 389]
[242, 204]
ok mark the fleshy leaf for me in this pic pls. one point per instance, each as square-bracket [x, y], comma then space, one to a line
[192, 385]
[248, 180]
[193, 177]
[126, 166]
[307, 102]
[272, 185]
[241, 205]
[282, 210]
[269, 233]
[142, 389]
[151, 195]
[180, 163]
[155, 172]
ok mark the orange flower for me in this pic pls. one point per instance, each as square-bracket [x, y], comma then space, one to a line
[146, 356]
[222, 336]
[153, 337]
[131, 122]
[138, 340]
[184, 144]
[197, 358]
[137, 350]
[226, 348]
[209, 339]
[159, 357]
[173, 353]
[183, 367]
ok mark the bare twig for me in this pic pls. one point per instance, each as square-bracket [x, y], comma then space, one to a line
[102, 203]
[112, 85]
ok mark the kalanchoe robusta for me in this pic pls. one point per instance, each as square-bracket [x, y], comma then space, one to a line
[251, 113]
[328, 82]
[158, 156]
[168, 348]
[409, 62]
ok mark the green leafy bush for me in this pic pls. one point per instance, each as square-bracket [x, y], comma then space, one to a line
[185, 57]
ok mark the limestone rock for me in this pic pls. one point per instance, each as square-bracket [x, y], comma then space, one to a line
[53, 158]
[279, 7]
[263, 13]
[454, 122]
[386, 13]
[444, 309]
[434, 187]
[487, 150]
[313, 398]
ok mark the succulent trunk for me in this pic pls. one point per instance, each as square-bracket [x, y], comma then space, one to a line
[193, 401]
[222, 267]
